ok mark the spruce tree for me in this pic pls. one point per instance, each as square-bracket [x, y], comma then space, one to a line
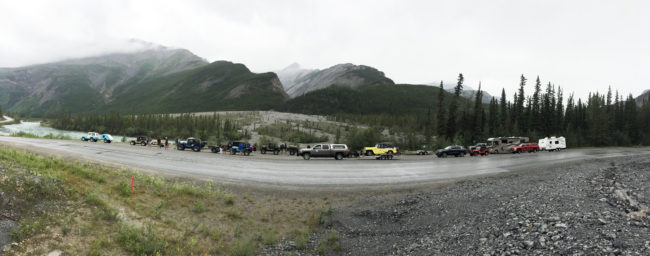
[442, 120]
[477, 122]
[503, 112]
[453, 108]
[519, 104]
[493, 118]
[535, 109]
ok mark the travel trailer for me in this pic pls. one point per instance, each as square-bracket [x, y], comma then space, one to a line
[503, 145]
[552, 143]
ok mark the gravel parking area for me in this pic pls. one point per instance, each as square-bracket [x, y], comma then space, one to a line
[596, 207]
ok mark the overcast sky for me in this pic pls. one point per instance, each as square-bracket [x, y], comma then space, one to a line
[580, 45]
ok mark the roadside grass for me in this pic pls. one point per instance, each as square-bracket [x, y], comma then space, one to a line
[85, 209]
[47, 136]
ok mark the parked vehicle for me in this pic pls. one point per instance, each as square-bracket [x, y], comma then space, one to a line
[142, 140]
[552, 143]
[381, 149]
[240, 147]
[272, 147]
[526, 147]
[502, 145]
[107, 138]
[91, 136]
[192, 143]
[454, 150]
[482, 150]
[478, 145]
[338, 151]
[293, 150]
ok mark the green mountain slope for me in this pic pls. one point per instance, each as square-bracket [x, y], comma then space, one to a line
[367, 99]
[86, 85]
[220, 85]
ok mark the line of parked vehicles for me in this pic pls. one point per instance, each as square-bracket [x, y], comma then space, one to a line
[380, 151]
[505, 145]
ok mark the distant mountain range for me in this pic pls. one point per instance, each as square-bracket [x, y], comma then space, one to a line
[298, 81]
[643, 98]
[159, 79]
[468, 92]
[87, 84]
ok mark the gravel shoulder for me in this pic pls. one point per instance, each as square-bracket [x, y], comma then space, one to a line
[594, 207]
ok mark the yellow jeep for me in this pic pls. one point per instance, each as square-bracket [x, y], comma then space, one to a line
[381, 149]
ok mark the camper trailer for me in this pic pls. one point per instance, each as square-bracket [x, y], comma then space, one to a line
[503, 145]
[552, 143]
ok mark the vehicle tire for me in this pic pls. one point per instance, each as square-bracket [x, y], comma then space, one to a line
[214, 150]
[338, 156]
[180, 147]
[263, 151]
[370, 153]
[306, 156]
[143, 143]
[390, 153]
[276, 152]
[390, 157]
[518, 151]
[107, 141]
[247, 153]
[496, 151]
[292, 152]
[196, 149]
[82, 139]
[132, 143]
[462, 154]
[443, 155]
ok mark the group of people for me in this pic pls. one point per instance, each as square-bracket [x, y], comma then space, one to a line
[160, 144]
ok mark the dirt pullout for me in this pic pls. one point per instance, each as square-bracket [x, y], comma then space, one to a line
[593, 208]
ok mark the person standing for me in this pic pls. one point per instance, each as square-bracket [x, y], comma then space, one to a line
[158, 142]
[166, 142]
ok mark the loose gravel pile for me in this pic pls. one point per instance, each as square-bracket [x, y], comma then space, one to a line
[590, 208]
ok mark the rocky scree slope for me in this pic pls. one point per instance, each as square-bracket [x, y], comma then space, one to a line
[297, 81]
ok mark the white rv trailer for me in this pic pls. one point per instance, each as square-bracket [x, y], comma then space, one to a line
[552, 143]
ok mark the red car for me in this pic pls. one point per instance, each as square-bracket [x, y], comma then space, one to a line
[526, 147]
[484, 151]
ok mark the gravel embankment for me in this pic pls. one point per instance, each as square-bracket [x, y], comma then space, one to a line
[590, 208]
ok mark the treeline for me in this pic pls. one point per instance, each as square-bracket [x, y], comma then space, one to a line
[604, 119]
[291, 133]
[206, 127]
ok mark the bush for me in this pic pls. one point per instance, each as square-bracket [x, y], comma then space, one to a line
[244, 247]
[140, 241]
[26, 229]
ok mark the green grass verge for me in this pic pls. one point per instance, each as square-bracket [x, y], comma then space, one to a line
[85, 209]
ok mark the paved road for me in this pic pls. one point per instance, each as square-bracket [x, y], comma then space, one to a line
[290, 172]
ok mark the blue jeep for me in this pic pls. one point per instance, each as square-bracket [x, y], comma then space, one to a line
[240, 147]
[192, 143]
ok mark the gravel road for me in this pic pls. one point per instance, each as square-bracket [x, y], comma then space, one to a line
[592, 207]
[285, 171]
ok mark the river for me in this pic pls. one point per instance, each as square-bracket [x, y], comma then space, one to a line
[37, 129]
